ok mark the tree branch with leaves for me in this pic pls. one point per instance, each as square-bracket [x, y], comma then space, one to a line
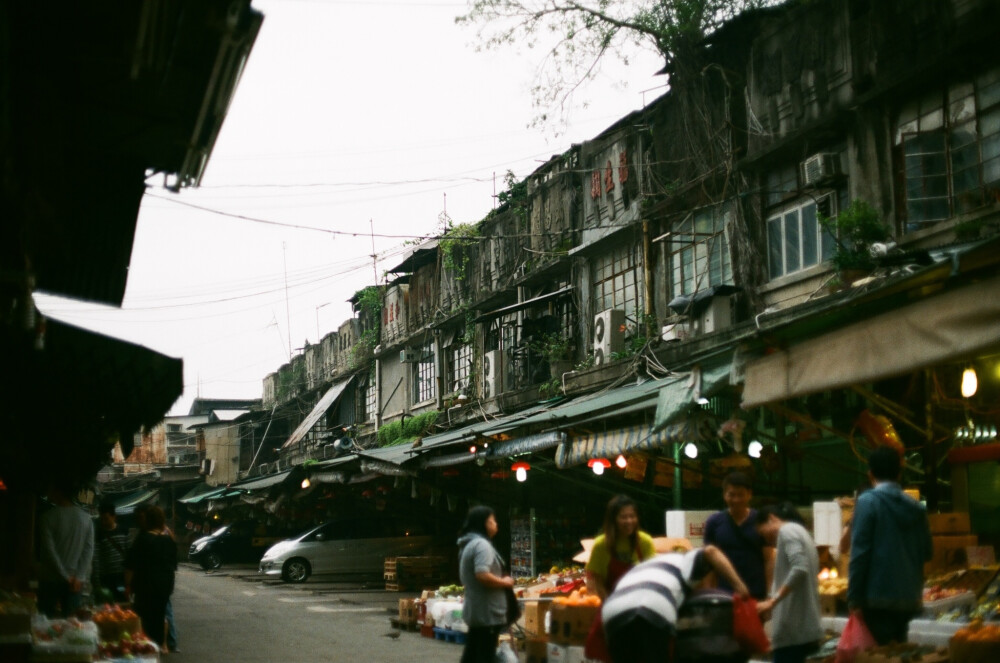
[579, 35]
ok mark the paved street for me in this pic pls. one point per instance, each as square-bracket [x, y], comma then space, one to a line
[232, 615]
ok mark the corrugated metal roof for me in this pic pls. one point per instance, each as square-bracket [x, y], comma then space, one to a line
[396, 454]
[322, 405]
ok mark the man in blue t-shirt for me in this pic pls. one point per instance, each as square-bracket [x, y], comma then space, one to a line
[734, 532]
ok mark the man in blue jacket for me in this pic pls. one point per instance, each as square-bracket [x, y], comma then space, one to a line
[890, 542]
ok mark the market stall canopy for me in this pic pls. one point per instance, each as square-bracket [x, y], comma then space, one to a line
[954, 324]
[579, 449]
[472, 432]
[127, 504]
[680, 394]
[260, 483]
[215, 493]
[599, 406]
[389, 460]
[115, 91]
[322, 405]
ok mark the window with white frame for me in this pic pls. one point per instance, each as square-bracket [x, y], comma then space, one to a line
[370, 401]
[459, 365]
[795, 238]
[698, 251]
[950, 146]
[424, 375]
[618, 281]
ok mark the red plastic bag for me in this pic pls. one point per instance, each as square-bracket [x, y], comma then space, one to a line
[747, 627]
[855, 638]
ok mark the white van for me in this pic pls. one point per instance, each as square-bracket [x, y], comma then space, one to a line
[354, 546]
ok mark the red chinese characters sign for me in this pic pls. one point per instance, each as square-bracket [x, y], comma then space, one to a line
[598, 187]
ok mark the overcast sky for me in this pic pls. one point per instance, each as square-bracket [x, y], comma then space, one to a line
[365, 116]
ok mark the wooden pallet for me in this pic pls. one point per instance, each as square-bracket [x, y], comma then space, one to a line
[412, 627]
[448, 635]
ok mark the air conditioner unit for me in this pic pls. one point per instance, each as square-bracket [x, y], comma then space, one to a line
[719, 314]
[492, 370]
[207, 466]
[409, 356]
[820, 167]
[676, 331]
[609, 335]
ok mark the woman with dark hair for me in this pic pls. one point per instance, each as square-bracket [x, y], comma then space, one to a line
[149, 572]
[619, 548]
[794, 596]
[481, 570]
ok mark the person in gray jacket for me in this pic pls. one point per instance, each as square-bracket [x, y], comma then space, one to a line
[481, 570]
[890, 542]
[794, 599]
[66, 550]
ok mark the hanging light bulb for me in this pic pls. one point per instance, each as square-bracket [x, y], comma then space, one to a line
[754, 449]
[621, 462]
[472, 449]
[969, 382]
[520, 471]
[598, 465]
[306, 483]
[691, 450]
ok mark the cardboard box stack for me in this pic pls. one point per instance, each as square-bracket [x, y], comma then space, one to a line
[951, 535]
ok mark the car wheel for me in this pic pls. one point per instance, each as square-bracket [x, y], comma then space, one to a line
[211, 560]
[296, 570]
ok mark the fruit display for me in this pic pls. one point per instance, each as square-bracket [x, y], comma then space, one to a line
[977, 630]
[564, 588]
[973, 580]
[938, 593]
[449, 591]
[579, 597]
[830, 584]
[128, 647]
[114, 621]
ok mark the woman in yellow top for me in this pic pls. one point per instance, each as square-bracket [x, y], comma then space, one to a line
[622, 546]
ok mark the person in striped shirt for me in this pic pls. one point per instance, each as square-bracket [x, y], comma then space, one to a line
[640, 617]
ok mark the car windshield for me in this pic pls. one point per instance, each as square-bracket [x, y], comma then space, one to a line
[221, 530]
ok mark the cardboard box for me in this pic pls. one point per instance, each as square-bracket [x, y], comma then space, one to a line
[970, 651]
[687, 525]
[575, 654]
[981, 555]
[534, 617]
[536, 650]
[949, 552]
[570, 624]
[908, 651]
[828, 605]
[955, 522]
[408, 611]
[555, 653]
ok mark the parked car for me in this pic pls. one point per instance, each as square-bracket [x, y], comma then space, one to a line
[240, 541]
[355, 546]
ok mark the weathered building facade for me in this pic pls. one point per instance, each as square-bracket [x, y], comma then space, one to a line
[684, 245]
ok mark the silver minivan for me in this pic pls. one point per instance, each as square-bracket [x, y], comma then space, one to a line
[354, 546]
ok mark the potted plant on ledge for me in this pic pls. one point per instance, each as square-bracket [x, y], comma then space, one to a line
[854, 231]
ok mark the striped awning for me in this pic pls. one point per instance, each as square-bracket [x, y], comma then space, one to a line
[526, 444]
[578, 450]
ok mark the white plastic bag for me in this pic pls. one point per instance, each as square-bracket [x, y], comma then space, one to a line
[505, 654]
